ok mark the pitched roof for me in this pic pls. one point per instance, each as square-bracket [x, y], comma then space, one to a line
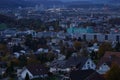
[3, 64]
[95, 76]
[37, 69]
[76, 61]
[57, 63]
[85, 75]
[71, 62]
[109, 58]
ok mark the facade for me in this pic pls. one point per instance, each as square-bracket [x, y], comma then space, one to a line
[74, 30]
[73, 62]
[99, 37]
[103, 68]
[31, 76]
[34, 71]
[89, 65]
[81, 63]
[107, 60]
[23, 74]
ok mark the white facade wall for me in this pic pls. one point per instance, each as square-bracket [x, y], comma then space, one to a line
[89, 65]
[103, 69]
[23, 74]
[100, 37]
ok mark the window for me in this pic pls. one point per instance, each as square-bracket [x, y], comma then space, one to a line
[106, 37]
[84, 37]
[88, 65]
[117, 38]
[88, 62]
[95, 37]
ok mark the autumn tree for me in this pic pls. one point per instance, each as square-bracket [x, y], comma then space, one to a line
[23, 60]
[32, 59]
[50, 56]
[77, 45]
[3, 48]
[113, 73]
[10, 69]
[15, 61]
[117, 47]
[104, 47]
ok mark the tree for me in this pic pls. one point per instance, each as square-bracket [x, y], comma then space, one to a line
[113, 73]
[42, 57]
[117, 47]
[50, 56]
[16, 48]
[83, 52]
[10, 70]
[27, 77]
[103, 48]
[23, 60]
[68, 52]
[77, 45]
[3, 48]
[15, 62]
[32, 59]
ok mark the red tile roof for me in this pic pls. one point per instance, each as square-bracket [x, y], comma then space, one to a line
[109, 58]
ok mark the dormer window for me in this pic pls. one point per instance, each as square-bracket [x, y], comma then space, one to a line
[88, 62]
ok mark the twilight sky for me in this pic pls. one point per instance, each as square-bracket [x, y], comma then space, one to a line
[75, 0]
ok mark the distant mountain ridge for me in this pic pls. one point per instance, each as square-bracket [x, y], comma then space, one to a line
[13, 3]
[24, 3]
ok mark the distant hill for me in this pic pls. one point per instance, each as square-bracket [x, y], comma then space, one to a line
[46, 3]
[86, 6]
[10, 3]
[114, 1]
[24, 3]
[106, 1]
[13, 3]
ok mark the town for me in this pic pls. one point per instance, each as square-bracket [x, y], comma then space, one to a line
[59, 43]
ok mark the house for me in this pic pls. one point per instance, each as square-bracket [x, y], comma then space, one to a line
[46, 34]
[98, 36]
[51, 28]
[55, 40]
[61, 57]
[3, 64]
[42, 50]
[34, 71]
[94, 48]
[57, 65]
[10, 32]
[85, 75]
[81, 63]
[61, 35]
[16, 54]
[14, 41]
[2, 72]
[32, 32]
[80, 30]
[107, 60]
